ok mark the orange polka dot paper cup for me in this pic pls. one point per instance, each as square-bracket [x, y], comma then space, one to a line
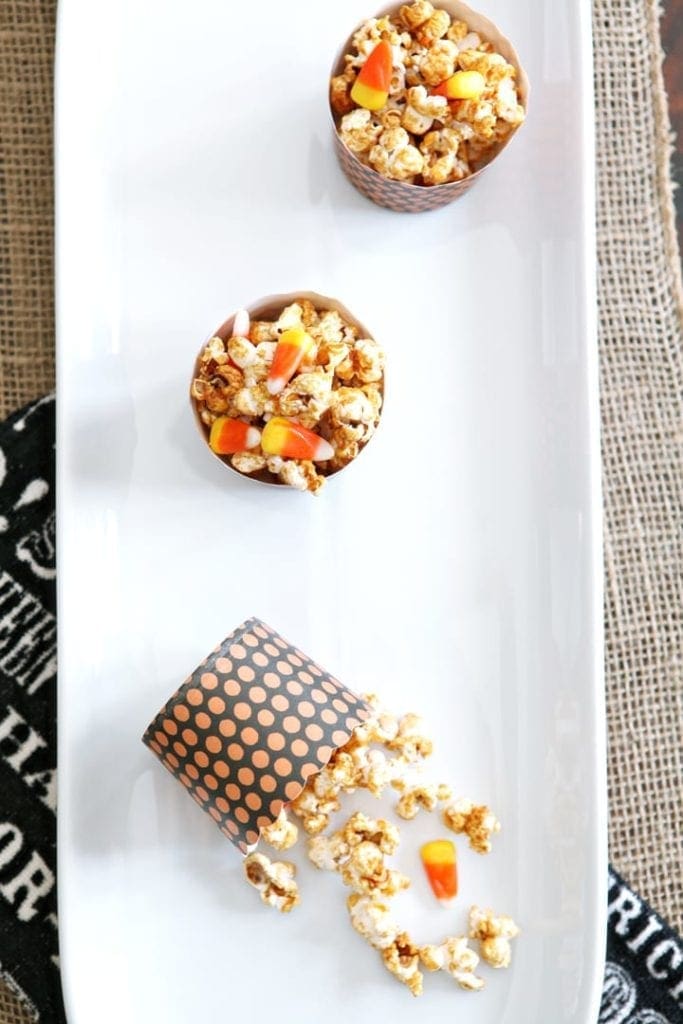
[402, 196]
[250, 726]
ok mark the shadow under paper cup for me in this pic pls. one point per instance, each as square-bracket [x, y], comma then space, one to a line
[402, 196]
[269, 308]
[250, 726]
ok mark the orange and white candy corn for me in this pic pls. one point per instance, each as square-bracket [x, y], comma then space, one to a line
[292, 441]
[229, 436]
[241, 324]
[463, 85]
[291, 349]
[441, 868]
[371, 88]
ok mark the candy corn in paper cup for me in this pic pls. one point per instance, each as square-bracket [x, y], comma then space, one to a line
[250, 726]
[403, 196]
[227, 436]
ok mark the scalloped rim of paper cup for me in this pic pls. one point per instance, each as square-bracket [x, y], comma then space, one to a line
[476, 22]
[222, 690]
[263, 309]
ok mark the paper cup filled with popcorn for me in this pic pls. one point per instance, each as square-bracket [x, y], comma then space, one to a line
[423, 99]
[289, 390]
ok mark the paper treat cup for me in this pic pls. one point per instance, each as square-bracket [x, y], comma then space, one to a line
[269, 308]
[400, 195]
[249, 726]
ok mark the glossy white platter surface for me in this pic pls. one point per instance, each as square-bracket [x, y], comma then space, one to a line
[455, 568]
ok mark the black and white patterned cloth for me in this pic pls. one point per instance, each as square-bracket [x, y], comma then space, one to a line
[644, 970]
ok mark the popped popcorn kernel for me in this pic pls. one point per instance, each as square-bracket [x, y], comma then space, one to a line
[317, 802]
[455, 957]
[410, 741]
[248, 462]
[332, 353]
[361, 829]
[457, 31]
[249, 402]
[395, 157]
[365, 871]
[215, 349]
[242, 351]
[422, 109]
[340, 91]
[262, 330]
[301, 475]
[415, 14]
[328, 852]
[439, 62]
[360, 131]
[351, 405]
[274, 880]
[290, 317]
[282, 833]
[402, 959]
[427, 797]
[476, 821]
[434, 28]
[493, 934]
[372, 918]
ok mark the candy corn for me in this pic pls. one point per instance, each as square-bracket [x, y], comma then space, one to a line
[241, 324]
[229, 436]
[291, 349]
[438, 859]
[463, 85]
[289, 439]
[371, 88]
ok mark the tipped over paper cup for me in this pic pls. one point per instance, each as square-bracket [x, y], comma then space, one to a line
[250, 726]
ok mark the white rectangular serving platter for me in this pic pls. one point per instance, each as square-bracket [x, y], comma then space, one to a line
[455, 568]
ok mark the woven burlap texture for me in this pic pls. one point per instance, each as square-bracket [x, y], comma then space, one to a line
[641, 370]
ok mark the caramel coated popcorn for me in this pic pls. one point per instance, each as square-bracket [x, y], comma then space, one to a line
[274, 881]
[402, 959]
[295, 398]
[476, 821]
[333, 852]
[365, 871]
[427, 797]
[281, 834]
[493, 934]
[372, 918]
[385, 750]
[455, 957]
[435, 126]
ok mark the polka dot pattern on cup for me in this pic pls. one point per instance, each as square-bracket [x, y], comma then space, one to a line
[251, 724]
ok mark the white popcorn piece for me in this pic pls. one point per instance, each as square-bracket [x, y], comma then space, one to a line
[493, 932]
[248, 462]
[413, 798]
[455, 957]
[274, 880]
[402, 959]
[476, 821]
[359, 131]
[241, 351]
[371, 917]
[282, 833]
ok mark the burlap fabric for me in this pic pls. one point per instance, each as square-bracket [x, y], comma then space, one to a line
[641, 313]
